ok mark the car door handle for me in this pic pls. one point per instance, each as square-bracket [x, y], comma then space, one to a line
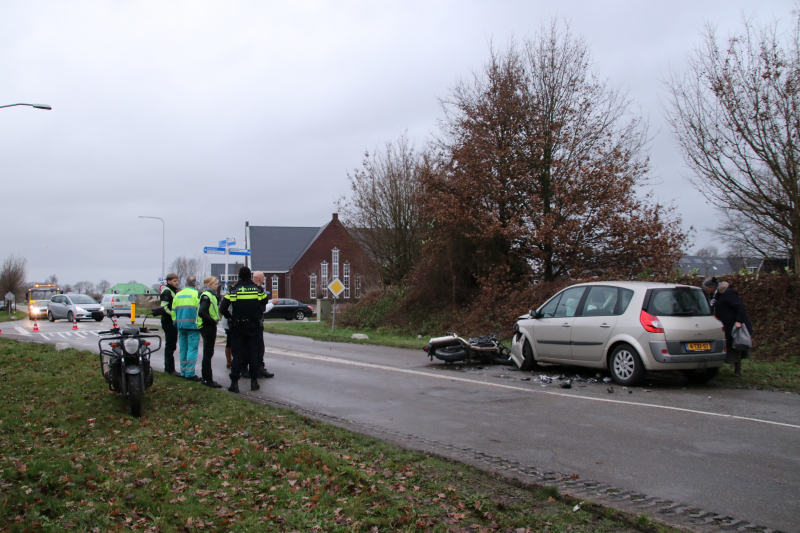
[605, 325]
[565, 325]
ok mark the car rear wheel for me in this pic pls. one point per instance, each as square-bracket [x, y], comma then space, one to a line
[300, 315]
[50, 316]
[528, 362]
[70, 316]
[625, 365]
[701, 375]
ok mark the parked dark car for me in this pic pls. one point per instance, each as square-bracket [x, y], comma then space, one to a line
[290, 310]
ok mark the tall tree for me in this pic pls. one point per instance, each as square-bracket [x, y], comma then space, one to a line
[543, 161]
[184, 267]
[383, 209]
[735, 114]
[12, 276]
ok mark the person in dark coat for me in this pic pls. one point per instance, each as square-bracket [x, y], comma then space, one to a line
[730, 310]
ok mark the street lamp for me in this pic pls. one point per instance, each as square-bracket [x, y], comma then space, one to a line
[163, 235]
[37, 106]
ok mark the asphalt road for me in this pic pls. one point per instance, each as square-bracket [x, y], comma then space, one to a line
[735, 452]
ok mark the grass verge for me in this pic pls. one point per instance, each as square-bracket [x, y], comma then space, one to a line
[784, 375]
[321, 331]
[5, 317]
[198, 459]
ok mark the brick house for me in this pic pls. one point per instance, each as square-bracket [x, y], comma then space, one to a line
[300, 262]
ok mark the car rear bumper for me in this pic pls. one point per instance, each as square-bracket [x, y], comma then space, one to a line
[676, 353]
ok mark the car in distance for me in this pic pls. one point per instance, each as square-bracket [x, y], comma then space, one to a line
[116, 304]
[38, 309]
[290, 310]
[628, 328]
[74, 306]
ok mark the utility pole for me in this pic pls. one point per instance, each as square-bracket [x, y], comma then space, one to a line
[246, 234]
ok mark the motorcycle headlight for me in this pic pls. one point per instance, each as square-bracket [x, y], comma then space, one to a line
[131, 346]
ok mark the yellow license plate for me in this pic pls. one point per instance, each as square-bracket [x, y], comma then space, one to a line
[696, 346]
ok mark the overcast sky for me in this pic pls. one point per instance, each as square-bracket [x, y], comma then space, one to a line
[208, 114]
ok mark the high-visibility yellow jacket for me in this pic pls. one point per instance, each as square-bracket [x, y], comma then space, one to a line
[184, 308]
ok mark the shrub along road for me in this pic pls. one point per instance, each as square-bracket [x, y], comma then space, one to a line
[725, 451]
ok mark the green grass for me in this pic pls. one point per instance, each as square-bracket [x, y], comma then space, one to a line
[4, 316]
[71, 459]
[321, 331]
[784, 375]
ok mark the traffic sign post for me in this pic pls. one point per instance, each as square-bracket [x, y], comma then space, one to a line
[224, 248]
[336, 287]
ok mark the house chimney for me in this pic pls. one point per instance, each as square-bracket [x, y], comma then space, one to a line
[336, 217]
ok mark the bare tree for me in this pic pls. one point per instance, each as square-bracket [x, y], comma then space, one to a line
[52, 280]
[12, 276]
[84, 287]
[708, 251]
[184, 267]
[383, 210]
[736, 116]
[103, 286]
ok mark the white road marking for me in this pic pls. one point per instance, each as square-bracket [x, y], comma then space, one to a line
[520, 389]
[63, 334]
[45, 336]
[22, 331]
[80, 334]
[94, 333]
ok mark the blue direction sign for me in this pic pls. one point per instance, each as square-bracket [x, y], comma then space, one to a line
[239, 251]
[213, 250]
[222, 244]
[231, 242]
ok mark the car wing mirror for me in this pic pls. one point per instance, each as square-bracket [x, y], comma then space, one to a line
[536, 314]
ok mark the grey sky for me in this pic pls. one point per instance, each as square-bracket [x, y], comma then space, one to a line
[208, 114]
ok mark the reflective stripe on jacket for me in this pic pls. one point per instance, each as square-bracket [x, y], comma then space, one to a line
[213, 309]
[184, 308]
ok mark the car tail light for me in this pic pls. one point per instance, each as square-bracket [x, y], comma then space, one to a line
[651, 323]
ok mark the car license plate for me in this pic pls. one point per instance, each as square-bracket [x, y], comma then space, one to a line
[698, 346]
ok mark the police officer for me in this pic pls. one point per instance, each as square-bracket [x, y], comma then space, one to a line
[170, 331]
[245, 322]
[207, 320]
[261, 369]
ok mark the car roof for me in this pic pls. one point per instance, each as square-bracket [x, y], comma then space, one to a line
[636, 284]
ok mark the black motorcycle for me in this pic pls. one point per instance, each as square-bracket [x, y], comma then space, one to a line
[484, 349]
[125, 363]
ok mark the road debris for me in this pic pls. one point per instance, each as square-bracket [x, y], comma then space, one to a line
[610, 390]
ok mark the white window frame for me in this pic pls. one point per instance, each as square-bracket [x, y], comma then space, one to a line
[346, 279]
[358, 286]
[312, 291]
[275, 286]
[335, 262]
[323, 279]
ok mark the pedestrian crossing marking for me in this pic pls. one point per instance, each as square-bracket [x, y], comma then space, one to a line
[21, 331]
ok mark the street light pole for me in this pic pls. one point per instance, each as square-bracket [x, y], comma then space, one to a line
[163, 240]
[37, 106]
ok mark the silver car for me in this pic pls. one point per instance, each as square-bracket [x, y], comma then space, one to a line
[627, 328]
[73, 306]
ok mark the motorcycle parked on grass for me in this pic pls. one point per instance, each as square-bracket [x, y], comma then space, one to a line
[125, 363]
[484, 349]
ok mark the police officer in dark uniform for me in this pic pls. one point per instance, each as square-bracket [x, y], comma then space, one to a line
[170, 331]
[245, 323]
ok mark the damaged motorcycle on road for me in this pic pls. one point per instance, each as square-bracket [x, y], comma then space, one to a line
[485, 349]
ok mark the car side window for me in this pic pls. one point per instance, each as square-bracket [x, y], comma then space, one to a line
[549, 310]
[568, 305]
[601, 301]
[626, 295]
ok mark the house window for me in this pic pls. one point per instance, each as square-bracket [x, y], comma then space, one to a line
[274, 286]
[335, 263]
[346, 276]
[323, 279]
[358, 286]
[313, 288]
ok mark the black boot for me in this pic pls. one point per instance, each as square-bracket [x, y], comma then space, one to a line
[264, 373]
[234, 385]
[254, 384]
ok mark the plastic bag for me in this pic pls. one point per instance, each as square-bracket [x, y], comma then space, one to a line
[741, 338]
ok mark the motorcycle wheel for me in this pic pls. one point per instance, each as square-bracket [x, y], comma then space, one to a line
[450, 354]
[134, 395]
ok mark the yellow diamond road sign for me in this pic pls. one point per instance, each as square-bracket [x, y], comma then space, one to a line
[336, 287]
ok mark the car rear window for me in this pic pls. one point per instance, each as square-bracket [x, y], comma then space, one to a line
[678, 301]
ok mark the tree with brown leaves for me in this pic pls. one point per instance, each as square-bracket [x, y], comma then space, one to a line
[541, 164]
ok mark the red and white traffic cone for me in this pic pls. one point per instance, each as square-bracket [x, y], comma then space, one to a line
[74, 323]
[35, 325]
[114, 320]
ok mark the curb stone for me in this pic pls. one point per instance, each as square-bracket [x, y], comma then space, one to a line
[667, 512]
